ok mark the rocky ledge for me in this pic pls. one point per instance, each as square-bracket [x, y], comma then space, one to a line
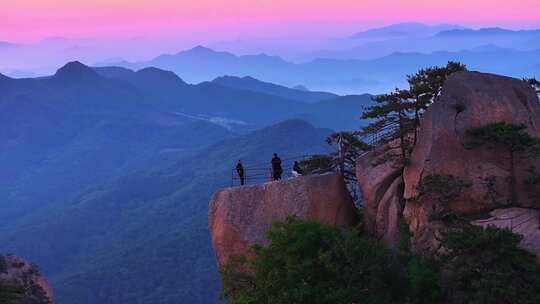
[240, 217]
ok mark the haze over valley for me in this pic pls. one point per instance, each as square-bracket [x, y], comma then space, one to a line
[371, 61]
[120, 119]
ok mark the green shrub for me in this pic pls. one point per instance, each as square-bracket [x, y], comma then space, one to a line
[487, 266]
[10, 294]
[308, 262]
[404, 245]
[422, 274]
[3, 264]
[312, 263]
[424, 286]
[318, 164]
[445, 187]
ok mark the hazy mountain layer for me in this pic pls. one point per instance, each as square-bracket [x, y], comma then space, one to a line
[297, 93]
[348, 75]
[143, 237]
[106, 173]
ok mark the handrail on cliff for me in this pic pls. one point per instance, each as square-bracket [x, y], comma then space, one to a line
[259, 173]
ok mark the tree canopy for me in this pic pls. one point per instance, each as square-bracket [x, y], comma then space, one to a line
[511, 137]
[308, 262]
[397, 114]
[487, 266]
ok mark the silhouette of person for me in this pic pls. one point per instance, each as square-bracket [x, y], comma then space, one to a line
[277, 170]
[240, 171]
[297, 170]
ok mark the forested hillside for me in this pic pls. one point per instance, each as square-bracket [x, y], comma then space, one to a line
[106, 185]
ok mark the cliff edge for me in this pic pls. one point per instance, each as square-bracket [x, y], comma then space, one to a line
[240, 217]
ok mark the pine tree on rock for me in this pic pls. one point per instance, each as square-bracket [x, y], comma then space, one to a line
[393, 121]
[426, 85]
[397, 115]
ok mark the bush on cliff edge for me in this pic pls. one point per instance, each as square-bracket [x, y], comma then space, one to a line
[487, 266]
[308, 262]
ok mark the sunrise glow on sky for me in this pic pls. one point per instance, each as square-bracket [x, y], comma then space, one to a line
[26, 20]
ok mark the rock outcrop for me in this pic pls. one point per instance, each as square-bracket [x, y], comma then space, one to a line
[240, 217]
[381, 184]
[17, 272]
[468, 100]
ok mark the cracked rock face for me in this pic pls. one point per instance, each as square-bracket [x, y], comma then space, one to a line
[469, 100]
[381, 184]
[240, 217]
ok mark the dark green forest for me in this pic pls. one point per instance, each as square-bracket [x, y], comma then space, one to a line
[309, 262]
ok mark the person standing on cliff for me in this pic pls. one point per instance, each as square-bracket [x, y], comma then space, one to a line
[240, 171]
[277, 170]
[297, 170]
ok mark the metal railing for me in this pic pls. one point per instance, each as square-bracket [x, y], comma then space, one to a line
[259, 173]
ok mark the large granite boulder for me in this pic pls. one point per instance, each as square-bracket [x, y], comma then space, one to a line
[381, 184]
[17, 272]
[240, 217]
[469, 100]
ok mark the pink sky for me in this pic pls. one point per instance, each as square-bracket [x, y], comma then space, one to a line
[27, 20]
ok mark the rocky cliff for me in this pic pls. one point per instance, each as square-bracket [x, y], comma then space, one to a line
[468, 100]
[21, 274]
[240, 217]
[381, 184]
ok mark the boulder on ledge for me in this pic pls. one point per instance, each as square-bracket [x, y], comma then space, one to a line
[240, 217]
[469, 100]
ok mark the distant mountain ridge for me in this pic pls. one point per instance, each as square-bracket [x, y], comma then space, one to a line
[125, 158]
[115, 113]
[377, 43]
[493, 31]
[348, 76]
[4, 44]
[76, 72]
[252, 84]
[404, 30]
[246, 100]
[44, 57]
[148, 228]
[79, 105]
